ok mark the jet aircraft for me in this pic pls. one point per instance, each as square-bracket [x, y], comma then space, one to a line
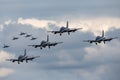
[65, 29]
[100, 39]
[5, 46]
[15, 38]
[22, 33]
[33, 38]
[28, 35]
[44, 43]
[22, 58]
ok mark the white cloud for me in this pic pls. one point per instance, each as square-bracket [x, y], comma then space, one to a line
[5, 72]
[103, 53]
[4, 55]
[36, 22]
[95, 74]
[95, 25]
[69, 59]
[8, 22]
[1, 27]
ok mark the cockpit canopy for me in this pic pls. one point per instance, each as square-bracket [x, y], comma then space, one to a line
[43, 42]
[62, 28]
[20, 56]
[98, 37]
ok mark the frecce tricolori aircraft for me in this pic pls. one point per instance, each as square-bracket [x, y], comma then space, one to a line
[44, 43]
[100, 39]
[22, 58]
[65, 30]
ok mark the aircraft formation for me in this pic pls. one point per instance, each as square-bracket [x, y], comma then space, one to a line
[47, 43]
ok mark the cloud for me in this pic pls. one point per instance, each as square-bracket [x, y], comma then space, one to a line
[94, 25]
[5, 72]
[1, 27]
[72, 60]
[5, 55]
[8, 22]
[96, 74]
[36, 22]
[104, 51]
[57, 9]
[67, 58]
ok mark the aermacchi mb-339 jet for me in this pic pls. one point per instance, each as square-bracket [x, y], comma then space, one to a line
[22, 33]
[22, 58]
[65, 30]
[15, 38]
[28, 35]
[33, 38]
[100, 39]
[6, 46]
[44, 43]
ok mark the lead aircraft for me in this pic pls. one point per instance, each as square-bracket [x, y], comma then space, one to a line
[65, 29]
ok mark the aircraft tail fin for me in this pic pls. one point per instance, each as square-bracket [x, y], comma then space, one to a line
[103, 33]
[47, 38]
[25, 52]
[67, 24]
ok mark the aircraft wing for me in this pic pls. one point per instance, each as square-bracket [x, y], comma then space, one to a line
[54, 32]
[31, 58]
[90, 41]
[55, 43]
[35, 46]
[75, 29]
[13, 60]
[115, 38]
[109, 39]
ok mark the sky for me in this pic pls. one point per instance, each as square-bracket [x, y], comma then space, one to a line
[73, 59]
